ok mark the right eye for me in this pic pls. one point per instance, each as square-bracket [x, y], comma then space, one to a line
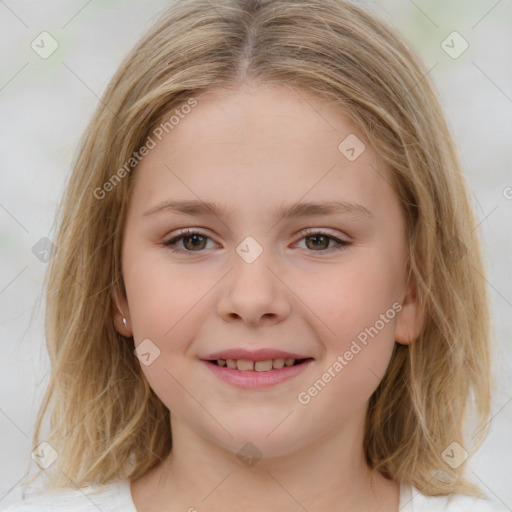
[193, 241]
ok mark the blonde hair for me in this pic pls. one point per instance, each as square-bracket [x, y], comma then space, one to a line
[106, 422]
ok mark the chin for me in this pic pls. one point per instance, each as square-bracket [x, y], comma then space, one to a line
[259, 440]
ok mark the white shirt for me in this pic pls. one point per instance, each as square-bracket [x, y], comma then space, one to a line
[116, 497]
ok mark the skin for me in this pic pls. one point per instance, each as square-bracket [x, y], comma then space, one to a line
[252, 150]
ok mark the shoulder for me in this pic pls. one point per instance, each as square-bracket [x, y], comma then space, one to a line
[415, 501]
[112, 497]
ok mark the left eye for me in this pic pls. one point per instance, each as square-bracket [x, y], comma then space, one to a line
[320, 238]
[194, 241]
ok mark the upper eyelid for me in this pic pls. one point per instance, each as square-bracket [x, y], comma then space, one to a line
[303, 232]
[326, 231]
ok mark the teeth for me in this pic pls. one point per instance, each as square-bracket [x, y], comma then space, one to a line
[277, 363]
[244, 364]
[263, 366]
[259, 366]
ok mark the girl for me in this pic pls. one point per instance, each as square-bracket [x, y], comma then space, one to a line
[266, 293]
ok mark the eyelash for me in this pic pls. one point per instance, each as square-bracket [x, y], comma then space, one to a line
[342, 244]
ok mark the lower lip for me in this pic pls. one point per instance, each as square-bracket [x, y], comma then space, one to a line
[247, 379]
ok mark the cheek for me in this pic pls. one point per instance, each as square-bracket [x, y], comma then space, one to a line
[355, 319]
[168, 303]
[162, 295]
[166, 308]
[355, 361]
[352, 296]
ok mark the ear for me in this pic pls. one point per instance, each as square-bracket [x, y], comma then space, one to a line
[120, 310]
[410, 319]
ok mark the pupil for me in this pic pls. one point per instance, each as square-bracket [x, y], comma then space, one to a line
[316, 237]
[196, 239]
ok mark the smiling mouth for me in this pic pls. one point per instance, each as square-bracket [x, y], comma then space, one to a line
[258, 366]
[250, 374]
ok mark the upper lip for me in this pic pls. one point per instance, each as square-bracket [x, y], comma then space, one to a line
[262, 354]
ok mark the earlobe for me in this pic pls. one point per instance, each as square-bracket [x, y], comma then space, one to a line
[410, 319]
[120, 313]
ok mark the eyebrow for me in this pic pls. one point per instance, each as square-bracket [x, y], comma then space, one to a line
[195, 207]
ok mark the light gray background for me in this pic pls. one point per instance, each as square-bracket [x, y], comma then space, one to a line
[45, 105]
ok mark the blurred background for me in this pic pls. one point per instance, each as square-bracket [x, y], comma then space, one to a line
[56, 60]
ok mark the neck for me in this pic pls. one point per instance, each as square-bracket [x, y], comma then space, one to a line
[330, 474]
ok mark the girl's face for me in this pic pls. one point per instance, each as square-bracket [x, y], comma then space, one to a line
[325, 283]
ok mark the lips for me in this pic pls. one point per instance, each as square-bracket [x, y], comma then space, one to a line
[256, 369]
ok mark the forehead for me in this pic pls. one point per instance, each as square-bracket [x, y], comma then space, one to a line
[262, 141]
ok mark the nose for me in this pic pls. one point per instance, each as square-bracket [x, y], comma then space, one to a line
[254, 293]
